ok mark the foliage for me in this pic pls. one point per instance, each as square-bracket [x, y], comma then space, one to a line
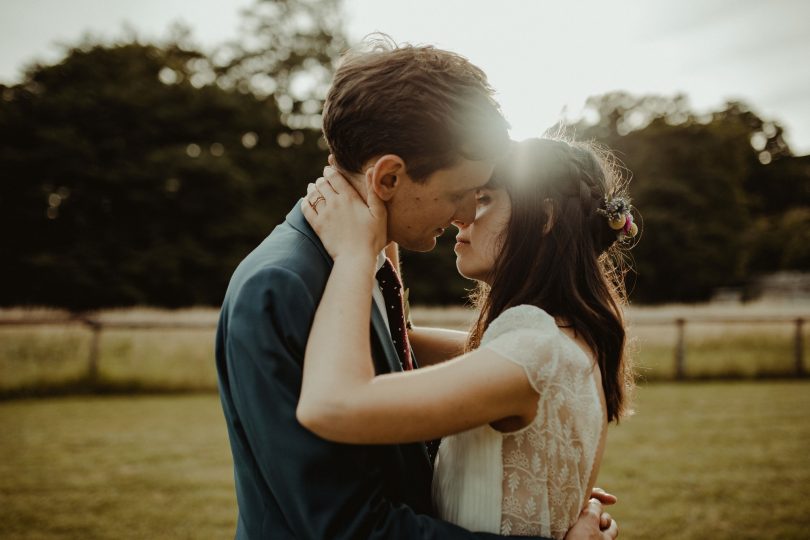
[125, 184]
[781, 242]
[288, 53]
[137, 173]
[701, 184]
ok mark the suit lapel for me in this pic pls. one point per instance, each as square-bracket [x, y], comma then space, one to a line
[387, 360]
[390, 360]
[384, 339]
[298, 222]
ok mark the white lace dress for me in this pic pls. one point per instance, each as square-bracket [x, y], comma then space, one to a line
[532, 481]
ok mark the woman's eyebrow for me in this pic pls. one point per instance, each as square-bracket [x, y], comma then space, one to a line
[492, 184]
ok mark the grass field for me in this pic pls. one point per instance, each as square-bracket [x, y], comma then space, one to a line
[697, 461]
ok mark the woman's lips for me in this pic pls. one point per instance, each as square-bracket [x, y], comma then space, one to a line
[460, 242]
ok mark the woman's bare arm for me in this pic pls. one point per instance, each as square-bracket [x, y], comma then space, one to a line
[342, 400]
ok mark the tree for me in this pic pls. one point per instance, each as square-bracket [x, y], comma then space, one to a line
[126, 184]
[287, 49]
[698, 182]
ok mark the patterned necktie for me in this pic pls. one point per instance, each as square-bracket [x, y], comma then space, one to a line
[391, 288]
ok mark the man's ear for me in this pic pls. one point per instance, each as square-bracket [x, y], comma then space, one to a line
[386, 175]
[548, 208]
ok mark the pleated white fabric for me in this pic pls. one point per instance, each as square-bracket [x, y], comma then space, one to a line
[467, 488]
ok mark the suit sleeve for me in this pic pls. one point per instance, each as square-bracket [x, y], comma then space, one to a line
[324, 489]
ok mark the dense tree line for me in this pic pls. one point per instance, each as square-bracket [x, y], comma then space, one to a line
[721, 195]
[121, 189]
[138, 173]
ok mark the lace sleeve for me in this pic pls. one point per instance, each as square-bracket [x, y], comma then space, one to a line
[528, 336]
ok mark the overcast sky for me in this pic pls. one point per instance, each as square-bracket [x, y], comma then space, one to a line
[542, 57]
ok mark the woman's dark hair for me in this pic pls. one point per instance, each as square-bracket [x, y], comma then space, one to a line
[574, 270]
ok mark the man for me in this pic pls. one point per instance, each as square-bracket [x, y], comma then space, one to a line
[422, 121]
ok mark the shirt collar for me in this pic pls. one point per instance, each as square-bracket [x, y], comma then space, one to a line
[380, 261]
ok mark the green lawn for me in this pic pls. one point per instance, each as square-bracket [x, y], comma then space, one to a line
[707, 461]
[713, 460]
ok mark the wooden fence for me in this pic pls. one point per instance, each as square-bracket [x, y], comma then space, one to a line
[97, 326]
[680, 323]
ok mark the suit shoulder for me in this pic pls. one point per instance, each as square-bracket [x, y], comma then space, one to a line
[286, 261]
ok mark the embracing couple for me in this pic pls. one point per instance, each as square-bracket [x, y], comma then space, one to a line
[335, 404]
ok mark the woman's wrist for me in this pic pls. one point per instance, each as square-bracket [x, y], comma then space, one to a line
[359, 259]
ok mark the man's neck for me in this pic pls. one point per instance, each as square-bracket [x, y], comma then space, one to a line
[358, 182]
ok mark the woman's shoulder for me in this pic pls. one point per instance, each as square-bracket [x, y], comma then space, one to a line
[522, 317]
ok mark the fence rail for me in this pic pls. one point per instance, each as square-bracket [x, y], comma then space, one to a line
[96, 326]
[680, 324]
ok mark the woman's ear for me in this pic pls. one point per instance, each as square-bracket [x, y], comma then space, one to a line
[548, 208]
[386, 175]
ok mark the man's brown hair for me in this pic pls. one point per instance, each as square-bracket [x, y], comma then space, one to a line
[426, 105]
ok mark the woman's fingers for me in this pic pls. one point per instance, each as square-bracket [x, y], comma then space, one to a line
[325, 187]
[375, 204]
[313, 198]
[309, 213]
[603, 496]
[612, 532]
[313, 192]
[338, 182]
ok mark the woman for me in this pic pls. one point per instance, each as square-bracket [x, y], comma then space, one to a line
[524, 410]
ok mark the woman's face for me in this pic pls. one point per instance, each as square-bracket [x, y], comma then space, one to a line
[479, 243]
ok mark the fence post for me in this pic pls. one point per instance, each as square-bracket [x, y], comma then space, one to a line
[92, 363]
[680, 350]
[799, 348]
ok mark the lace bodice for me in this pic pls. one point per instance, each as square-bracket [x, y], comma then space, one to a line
[532, 481]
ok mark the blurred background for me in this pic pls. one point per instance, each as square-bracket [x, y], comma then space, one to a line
[145, 148]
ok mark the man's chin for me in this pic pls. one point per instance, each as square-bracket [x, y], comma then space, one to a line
[420, 245]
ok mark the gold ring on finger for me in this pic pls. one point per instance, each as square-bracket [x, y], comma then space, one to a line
[314, 203]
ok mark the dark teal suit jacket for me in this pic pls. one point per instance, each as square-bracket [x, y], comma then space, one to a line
[289, 482]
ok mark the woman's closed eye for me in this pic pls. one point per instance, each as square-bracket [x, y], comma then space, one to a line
[482, 197]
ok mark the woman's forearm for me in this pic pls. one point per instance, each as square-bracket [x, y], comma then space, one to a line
[338, 353]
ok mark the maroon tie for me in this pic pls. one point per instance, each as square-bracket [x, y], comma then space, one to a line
[391, 288]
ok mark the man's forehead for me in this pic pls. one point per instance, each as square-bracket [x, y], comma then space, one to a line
[463, 177]
[483, 182]
[474, 175]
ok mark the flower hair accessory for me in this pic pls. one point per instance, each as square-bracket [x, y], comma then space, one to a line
[617, 212]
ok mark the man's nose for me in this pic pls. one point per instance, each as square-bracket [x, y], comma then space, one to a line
[466, 212]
